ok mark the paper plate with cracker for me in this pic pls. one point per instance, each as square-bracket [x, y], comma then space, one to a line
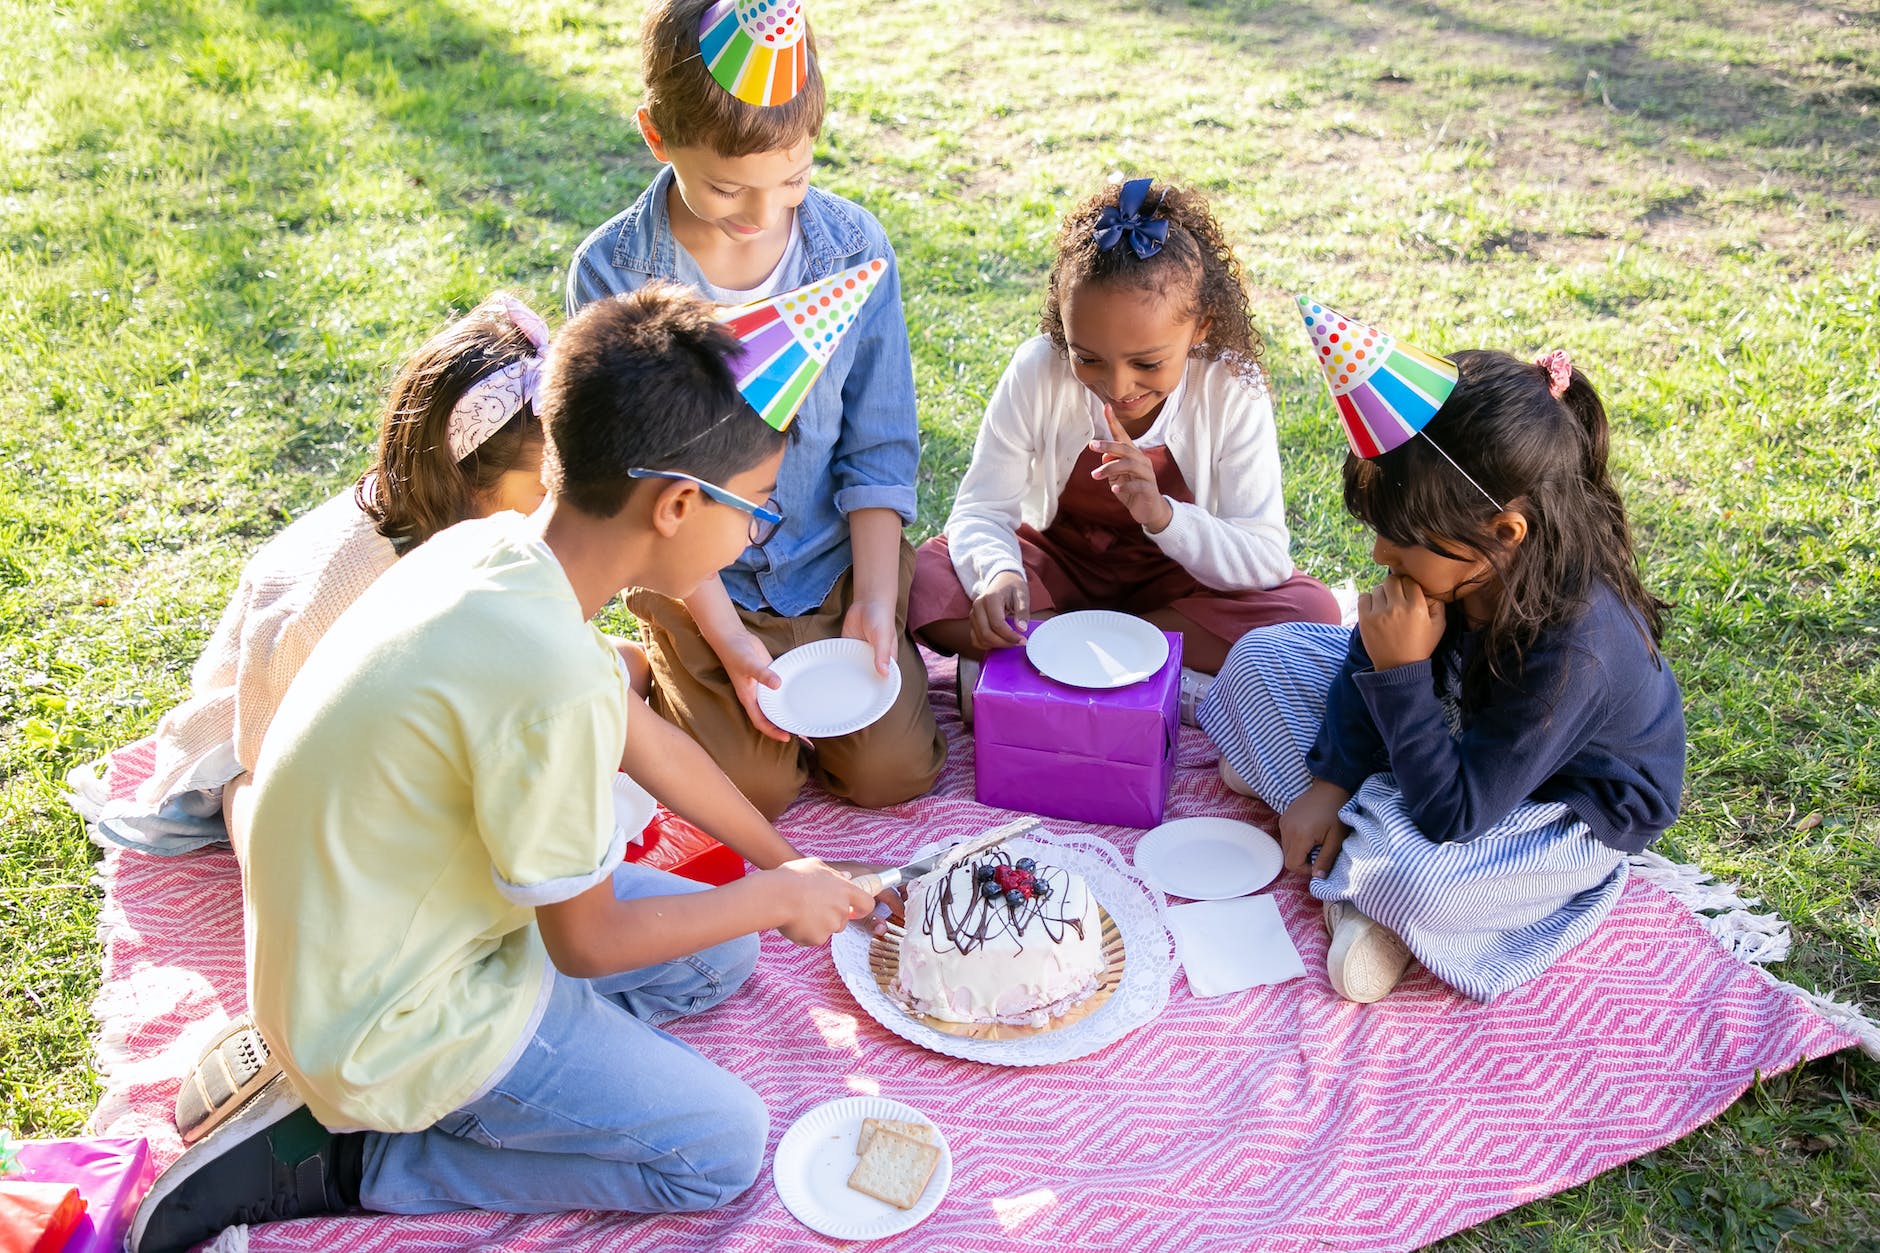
[1132, 989]
[862, 1167]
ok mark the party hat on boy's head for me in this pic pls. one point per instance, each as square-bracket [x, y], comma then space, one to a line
[788, 339]
[755, 49]
[1386, 390]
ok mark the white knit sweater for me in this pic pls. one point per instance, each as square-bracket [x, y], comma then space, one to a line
[1218, 426]
[290, 593]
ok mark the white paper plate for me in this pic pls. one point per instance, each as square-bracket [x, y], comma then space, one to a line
[1097, 648]
[816, 1156]
[1209, 859]
[829, 688]
[1141, 919]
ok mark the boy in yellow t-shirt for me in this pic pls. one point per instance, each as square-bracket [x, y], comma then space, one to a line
[460, 976]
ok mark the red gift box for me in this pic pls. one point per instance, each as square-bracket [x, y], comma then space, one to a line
[672, 844]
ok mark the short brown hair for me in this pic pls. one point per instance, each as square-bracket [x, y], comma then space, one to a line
[415, 488]
[689, 109]
[644, 380]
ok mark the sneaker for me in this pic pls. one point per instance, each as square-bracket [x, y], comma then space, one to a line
[1366, 960]
[270, 1162]
[236, 1065]
[965, 679]
[1195, 685]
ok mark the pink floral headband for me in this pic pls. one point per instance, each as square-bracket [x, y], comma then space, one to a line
[1559, 369]
[488, 404]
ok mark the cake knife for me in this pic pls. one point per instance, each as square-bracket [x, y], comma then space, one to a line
[873, 884]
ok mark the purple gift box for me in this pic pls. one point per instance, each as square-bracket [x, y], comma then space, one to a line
[1100, 755]
[111, 1174]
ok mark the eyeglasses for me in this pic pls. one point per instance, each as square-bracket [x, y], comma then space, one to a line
[765, 518]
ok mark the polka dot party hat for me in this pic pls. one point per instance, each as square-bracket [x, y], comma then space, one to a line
[1385, 390]
[788, 339]
[755, 49]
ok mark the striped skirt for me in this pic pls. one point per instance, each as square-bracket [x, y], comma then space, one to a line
[1485, 916]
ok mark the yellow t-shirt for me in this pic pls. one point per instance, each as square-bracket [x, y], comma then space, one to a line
[442, 764]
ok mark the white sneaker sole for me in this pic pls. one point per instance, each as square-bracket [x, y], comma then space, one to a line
[274, 1102]
[1365, 960]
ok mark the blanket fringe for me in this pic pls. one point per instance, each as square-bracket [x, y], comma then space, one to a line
[232, 1240]
[1753, 938]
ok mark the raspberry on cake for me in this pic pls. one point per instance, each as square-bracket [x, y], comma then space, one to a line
[995, 940]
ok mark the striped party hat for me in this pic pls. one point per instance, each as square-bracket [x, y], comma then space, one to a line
[788, 339]
[755, 49]
[1385, 390]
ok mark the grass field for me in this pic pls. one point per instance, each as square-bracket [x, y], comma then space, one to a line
[222, 223]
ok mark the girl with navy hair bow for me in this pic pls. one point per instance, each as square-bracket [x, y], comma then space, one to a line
[1128, 458]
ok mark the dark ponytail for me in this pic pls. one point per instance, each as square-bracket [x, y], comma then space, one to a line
[1543, 455]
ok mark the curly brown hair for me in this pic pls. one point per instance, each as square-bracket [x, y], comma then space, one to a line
[414, 488]
[1195, 263]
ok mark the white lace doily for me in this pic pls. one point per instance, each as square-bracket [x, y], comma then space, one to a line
[1148, 961]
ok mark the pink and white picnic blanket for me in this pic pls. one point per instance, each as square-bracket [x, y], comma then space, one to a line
[1281, 1118]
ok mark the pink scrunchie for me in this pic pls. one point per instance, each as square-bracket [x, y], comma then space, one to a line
[1559, 367]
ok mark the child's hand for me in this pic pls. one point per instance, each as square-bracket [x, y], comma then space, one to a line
[889, 902]
[873, 622]
[1008, 596]
[817, 901]
[1399, 624]
[1310, 823]
[1127, 470]
[747, 663]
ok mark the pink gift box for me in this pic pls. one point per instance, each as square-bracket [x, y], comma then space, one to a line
[112, 1176]
[1099, 755]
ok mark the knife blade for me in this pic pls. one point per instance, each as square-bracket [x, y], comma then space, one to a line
[894, 877]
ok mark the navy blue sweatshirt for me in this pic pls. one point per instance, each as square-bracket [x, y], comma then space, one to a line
[1594, 720]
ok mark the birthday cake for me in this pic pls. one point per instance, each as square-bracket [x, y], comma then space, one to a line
[990, 939]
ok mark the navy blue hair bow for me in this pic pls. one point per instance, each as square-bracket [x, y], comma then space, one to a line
[1124, 221]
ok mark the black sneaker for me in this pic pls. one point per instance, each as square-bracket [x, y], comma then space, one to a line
[270, 1162]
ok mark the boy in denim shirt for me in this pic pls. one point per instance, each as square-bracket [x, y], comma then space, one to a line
[733, 215]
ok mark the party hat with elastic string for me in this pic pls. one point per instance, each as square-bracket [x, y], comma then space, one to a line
[756, 49]
[788, 339]
[1386, 391]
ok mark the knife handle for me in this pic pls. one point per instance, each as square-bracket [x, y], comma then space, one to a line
[876, 884]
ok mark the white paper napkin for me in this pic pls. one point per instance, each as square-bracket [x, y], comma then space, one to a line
[1230, 946]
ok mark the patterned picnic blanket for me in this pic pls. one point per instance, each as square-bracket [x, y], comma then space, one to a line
[1281, 1118]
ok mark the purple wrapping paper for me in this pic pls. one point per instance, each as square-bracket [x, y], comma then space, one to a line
[1089, 755]
[112, 1176]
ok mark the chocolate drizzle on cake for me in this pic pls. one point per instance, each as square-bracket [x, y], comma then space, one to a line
[969, 918]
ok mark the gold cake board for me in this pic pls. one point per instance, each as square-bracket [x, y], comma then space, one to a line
[884, 962]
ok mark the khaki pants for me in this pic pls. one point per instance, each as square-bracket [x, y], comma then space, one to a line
[892, 760]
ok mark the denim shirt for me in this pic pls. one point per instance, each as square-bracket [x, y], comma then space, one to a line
[856, 440]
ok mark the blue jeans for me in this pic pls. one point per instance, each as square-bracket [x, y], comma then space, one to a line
[601, 1109]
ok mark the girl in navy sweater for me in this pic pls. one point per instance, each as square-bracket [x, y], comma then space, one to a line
[1464, 773]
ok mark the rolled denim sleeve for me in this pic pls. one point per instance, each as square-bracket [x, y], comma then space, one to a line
[592, 274]
[878, 452]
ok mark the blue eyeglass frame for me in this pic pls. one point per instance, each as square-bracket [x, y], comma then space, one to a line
[769, 517]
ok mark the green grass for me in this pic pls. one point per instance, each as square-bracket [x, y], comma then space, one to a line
[222, 223]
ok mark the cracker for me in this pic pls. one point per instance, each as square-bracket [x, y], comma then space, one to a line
[908, 1127]
[895, 1168]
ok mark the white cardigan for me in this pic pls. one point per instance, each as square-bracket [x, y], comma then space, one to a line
[1218, 426]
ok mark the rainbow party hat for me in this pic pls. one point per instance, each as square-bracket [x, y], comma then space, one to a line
[755, 49]
[788, 339]
[1385, 390]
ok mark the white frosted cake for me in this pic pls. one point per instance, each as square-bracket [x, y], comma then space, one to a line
[993, 940]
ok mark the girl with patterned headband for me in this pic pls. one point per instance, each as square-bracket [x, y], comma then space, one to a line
[459, 439]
